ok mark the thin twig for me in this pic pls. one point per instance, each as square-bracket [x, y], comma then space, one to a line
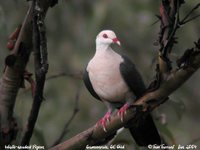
[75, 111]
[183, 21]
[75, 75]
[192, 18]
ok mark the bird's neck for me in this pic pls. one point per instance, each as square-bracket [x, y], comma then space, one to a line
[103, 48]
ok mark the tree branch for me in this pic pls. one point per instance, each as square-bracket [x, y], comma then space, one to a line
[185, 19]
[139, 108]
[41, 67]
[168, 81]
[75, 75]
[169, 16]
[170, 23]
[12, 78]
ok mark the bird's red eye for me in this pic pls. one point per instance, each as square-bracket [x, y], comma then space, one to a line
[105, 35]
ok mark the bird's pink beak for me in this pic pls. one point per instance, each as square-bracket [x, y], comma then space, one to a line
[115, 40]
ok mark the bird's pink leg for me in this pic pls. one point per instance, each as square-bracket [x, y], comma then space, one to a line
[122, 111]
[104, 120]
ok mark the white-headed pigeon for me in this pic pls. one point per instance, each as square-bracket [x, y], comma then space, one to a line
[113, 79]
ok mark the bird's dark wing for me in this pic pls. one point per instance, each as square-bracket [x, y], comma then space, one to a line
[132, 77]
[144, 131]
[88, 85]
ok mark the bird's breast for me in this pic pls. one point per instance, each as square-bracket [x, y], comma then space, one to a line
[106, 78]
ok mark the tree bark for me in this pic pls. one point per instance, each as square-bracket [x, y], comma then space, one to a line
[12, 78]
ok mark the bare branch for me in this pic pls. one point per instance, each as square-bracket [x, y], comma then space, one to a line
[75, 75]
[139, 108]
[12, 78]
[185, 19]
[171, 80]
[169, 14]
[170, 23]
[41, 67]
[192, 18]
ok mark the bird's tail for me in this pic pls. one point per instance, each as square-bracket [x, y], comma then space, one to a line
[144, 131]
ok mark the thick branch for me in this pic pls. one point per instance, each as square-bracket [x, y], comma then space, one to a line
[144, 105]
[12, 78]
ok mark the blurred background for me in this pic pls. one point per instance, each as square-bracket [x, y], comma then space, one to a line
[72, 26]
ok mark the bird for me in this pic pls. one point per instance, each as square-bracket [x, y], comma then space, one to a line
[112, 78]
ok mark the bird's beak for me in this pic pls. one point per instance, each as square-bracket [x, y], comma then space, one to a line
[115, 40]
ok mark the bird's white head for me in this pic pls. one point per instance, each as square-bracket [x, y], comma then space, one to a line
[105, 38]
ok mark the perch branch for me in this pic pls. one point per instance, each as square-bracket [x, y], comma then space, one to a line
[169, 11]
[142, 106]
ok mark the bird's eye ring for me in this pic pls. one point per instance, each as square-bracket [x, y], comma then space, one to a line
[105, 35]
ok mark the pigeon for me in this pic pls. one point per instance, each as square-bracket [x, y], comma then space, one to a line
[113, 79]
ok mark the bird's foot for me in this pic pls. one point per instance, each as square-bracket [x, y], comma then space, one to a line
[122, 111]
[104, 120]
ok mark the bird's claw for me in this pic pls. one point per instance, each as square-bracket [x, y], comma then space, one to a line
[104, 121]
[122, 111]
